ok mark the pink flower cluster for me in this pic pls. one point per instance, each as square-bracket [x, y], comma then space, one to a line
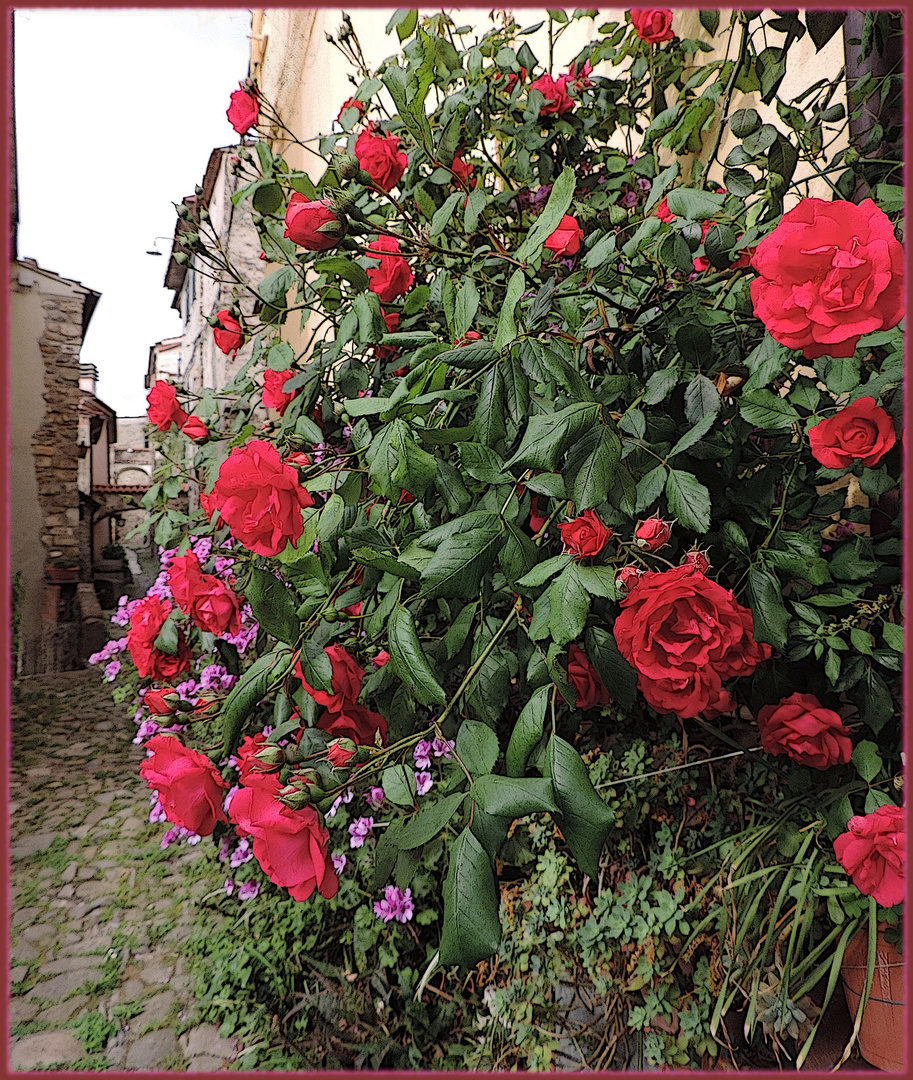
[396, 904]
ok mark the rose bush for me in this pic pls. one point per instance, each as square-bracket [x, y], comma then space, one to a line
[189, 786]
[543, 523]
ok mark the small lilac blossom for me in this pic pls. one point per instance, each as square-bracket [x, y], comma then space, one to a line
[423, 783]
[339, 861]
[229, 795]
[629, 199]
[359, 831]
[644, 184]
[229, 886]
[241, 854]
[111, 670]
[346, 797]
[179, 833]
[216, 677]
[157, 813]
[441, 747]
[145, 731]
[422, 754]
[224, 848]
[375, 797]
[202, 546]
[396, 904]
[248, 890]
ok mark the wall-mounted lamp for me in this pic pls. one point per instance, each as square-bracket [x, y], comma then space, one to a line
[154, 250]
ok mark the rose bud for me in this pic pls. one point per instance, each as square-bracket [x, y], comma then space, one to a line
[161, 702]
[294, 798]
[312, 225]
[585, 536]
[228, 335]
[626, 579]
[653, 534]
[346, 166]
[194, 428]
[269, 758]
[697, 559]
[470, 335]
[206, 705]
[340, 753]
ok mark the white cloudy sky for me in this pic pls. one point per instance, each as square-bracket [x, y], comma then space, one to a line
[116, 113]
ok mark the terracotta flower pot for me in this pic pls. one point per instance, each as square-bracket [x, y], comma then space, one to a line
[62, 574]
[881, 1033]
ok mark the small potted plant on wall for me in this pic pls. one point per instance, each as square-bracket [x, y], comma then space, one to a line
[64, 569]
[111, 560]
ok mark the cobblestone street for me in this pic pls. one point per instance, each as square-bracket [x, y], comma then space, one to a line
[98, 912]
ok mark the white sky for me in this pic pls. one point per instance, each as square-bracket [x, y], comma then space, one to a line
[117, 111]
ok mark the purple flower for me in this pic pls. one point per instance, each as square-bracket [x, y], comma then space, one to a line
[241, 854]
[423, 782]
[346, 797]
[224, 848]
[422, 754]
[643, 183]
[359, 831]
[145, 731]
[202, 546]
[179, 833]
[629, 199]
[248, 890]
[375, 797]
[229, 886]
[111, 670]
[396, 904]
[222, 565]
[216, 677]
[541, 196]
[157, 813]
[441, 747]
[229, 795]
[339, 862]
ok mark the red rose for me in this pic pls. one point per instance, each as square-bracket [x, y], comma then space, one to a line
[291, 846]
[829, 273]
[228, 335]
[354, 722]
[663, 212]
[565, 240]
[340, 753]
[697, 559]
[585, 536]
[862, 432]
[380, 157]
[146, 620]
[388, 353]
[470, 335]
[627, 577]
[461, 169]
[194, 428]
[189, 785]
[346, 680]
[303, 222]
[652, 24]
[684, 635]
[249, 772]
[873, 851]
[243, 111]
[351, 103]
[209, 507]
[800, 727]
[260, 498]
[392, 277]
[207, 600]
[653, 534]
[273, 396]
[163, 408]
[536, 519]
[557, 99]
[160, 702]
[297, 458]
[511, 78]
[589, 688]
[382, 658]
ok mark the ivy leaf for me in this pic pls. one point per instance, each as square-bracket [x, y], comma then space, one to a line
[477, 747]
[409, 660]
[771, 618]
[273, 605]
[428, 822]
[586, 819]
[527, 732]
[689, 500]
[590, 467]
[472, 929]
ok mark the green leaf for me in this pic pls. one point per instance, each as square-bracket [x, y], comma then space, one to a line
[460, 563]
[694, 204]
[893, 636]
[771, 618]
[659, 385]
[689, 500]
[718, 245]
[867, 760]
[316, 666]
[765, 362]
[569, 605]
[549, 219]
[766, 410]
[398, 782]
[471, 930]
[840, 373]
[586, 819]
[544, 570]
[483, 464]
[340, 266]
[409, 660]
[168, 638]
[547, 433]
[442, 217]
[415, 468]
[770, 67]
[591, 465]
[477, 747]
[489, 416]
[649, 488]
[527, 732]
[695, 434]
[505, 796]
[248, 692]
[822, 25]
[694, 343]
[428, 822]
[330, 519]
[475, 204]
[658, 188]
[381, 560]
[280, 357]
[273, 605]
[507, 326]
[710, 20]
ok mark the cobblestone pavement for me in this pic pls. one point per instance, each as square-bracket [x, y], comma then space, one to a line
[98, 912]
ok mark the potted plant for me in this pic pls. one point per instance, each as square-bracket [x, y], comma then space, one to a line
[63, 570]
[111, 560]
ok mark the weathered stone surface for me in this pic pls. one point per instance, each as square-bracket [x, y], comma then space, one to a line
[149, 1051]
[205, 1039]
[45, 1048]
[206, 1064]
[61, 986]
[156, 1010]
[70, 963]
[59, 1014]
